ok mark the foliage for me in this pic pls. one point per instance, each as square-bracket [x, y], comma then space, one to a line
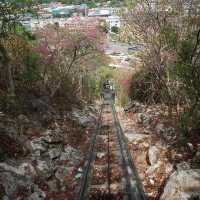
[122, 83]
[53, 61]
[194, 197]
[171, 60]
[32, 72]
[96, 80]
[91, 4]
[66, 53]
[120, 78]
[104, 27]
[13, 42]
[115, 3]
[115, 29]
[141, 87]
[187, 70]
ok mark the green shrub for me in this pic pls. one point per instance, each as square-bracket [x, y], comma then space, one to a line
[115, 29]
[93, 82]
[142, 87]
[187, 70]
[32, 70]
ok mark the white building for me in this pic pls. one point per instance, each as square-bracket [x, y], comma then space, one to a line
[34, 24]
[99, 12]
[113, 21]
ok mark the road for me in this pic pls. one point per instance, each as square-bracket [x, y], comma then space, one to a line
[119, 54]
[117, 47]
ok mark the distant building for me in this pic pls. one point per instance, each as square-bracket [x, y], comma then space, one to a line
[82, 9]
[116, 11]
[71, 16]
[113, 21]
[63, 11]
[35, 24]
[82, 23]
[67, 11]
[99, 12]
[89, 26]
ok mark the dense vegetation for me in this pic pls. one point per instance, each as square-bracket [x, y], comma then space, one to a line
[50, 62]
[170, 74]
[120, 79]
[54, 62]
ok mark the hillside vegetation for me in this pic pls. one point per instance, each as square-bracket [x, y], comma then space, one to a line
[170, 72]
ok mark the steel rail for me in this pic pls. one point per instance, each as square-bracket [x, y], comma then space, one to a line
[134, 187]
[134, 190]
[108, 164]
[82, 193]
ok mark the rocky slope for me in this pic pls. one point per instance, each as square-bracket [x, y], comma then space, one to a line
[167, 171]
[41, 154]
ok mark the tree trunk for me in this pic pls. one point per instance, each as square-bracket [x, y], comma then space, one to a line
[54, 90]
[6, 62]
[11, 81]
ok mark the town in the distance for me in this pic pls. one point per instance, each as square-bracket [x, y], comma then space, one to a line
[82, 17]
[71, 16]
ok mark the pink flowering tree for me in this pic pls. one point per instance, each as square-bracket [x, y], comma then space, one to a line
[66, 53]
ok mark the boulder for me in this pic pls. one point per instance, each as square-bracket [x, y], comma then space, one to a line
[153, 155]
[83, 118]
[150, 171]
[53, 185]
[133, 106]
[62, 172]
[64, 156]
[133, 136]
[190, 146]
[53, 136]
[22, 170]
[160, 129]
[167, 132]
[72, 153]
[9, 127]
[27, 169]
[12, 178]
[168, 168]
[129, 106]
[196, 157]
[182, 185]
[54, 153]
[183, 166]
[38, 194]
[38, 144]
[44, 168]
[11, 182]
[143, 118]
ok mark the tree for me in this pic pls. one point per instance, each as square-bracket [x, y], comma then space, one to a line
[155, 26]
[114, 3]
[170, 33]
[115, 29]
[9, 37]
[65, 53]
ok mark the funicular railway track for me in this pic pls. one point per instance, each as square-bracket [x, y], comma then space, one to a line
[109, 171]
